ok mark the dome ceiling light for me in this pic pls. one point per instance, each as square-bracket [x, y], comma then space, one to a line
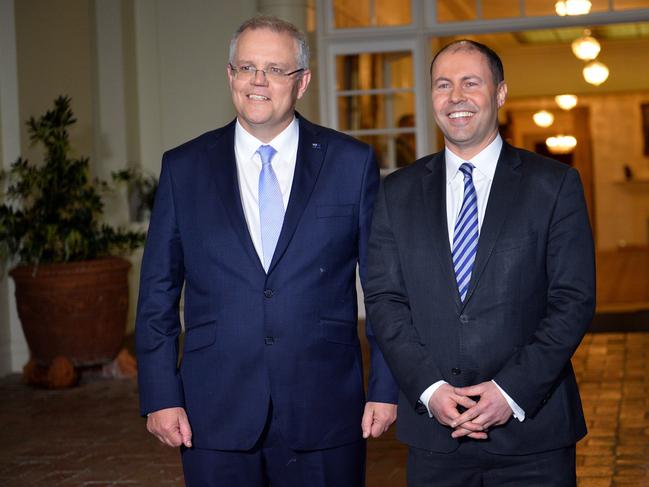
[561, 144]
[572, 7]
[566, 102]
[586, 47]
[595, 73]
[543, 118]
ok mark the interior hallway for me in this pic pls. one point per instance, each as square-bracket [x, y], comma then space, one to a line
[92, 436]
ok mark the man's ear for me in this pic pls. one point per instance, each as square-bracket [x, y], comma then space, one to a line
[303, 83]
[501, 93]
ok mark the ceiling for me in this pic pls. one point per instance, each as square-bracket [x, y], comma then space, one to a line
[612, 32]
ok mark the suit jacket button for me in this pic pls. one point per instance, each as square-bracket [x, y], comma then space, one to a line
[268, 293]
[464, 319]
[456, 371]
[269, 340]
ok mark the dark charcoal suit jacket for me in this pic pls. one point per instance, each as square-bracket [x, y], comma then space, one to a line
[530, 300]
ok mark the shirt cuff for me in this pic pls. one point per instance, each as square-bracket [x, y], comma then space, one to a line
[519, 414]
[427, 394]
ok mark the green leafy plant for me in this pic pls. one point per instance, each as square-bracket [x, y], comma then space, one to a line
[142, 188]
[51, 212]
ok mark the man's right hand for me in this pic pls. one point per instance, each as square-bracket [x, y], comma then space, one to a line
[443, 405]
[170, 426]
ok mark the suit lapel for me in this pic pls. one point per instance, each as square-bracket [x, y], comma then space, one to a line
[223, 160]
[434, 189]
[310, 155]
[504, 191]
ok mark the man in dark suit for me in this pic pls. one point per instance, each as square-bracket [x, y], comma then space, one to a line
[263, 222]
[480, 286]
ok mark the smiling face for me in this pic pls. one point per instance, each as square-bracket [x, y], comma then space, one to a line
[265, 108]
[466, 100]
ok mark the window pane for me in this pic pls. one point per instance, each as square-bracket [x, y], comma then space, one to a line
[463, 10]
[392, 151]
[351, 13]
[543, 7]
[374, 71]
[629, 4]
[500, 9]
[393, 12]
[362, 112]
[539, 7]
[371, 13]
[456, 10]
[405, 148]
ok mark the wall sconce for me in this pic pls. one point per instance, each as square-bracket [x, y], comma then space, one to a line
[561, 144]
[586, 47]
[543, 118]
[595, 73]
[566, 102]
[572, 7]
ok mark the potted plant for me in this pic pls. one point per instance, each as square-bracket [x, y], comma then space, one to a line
[142, 188]
[71, 284]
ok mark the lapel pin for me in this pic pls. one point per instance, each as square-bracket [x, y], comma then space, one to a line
[315, 145]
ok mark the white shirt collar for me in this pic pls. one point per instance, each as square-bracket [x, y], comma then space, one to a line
[248, 144]
[484, 162]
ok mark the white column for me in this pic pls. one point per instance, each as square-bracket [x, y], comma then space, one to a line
[112, 123]
[13, 348]
[149, 100]
[111, 151]
[293, 11]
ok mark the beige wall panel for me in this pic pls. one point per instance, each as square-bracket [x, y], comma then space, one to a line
[55, 56]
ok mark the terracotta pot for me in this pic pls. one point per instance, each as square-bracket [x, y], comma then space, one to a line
[75, 310]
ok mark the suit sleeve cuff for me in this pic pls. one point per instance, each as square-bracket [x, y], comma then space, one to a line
[519, 414]
[428, 393]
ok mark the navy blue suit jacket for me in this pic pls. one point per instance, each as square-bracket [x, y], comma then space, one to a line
[529, 303]
[290, 334]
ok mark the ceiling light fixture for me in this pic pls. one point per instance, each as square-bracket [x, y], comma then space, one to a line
[586, 47]
[566, 102]
[561, 144]
[595, 73]
[543, 118]
[572, 7]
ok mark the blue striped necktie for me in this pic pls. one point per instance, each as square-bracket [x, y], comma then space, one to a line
[271, 205]
[465, 237]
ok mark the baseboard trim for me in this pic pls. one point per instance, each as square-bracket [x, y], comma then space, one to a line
[620, 322]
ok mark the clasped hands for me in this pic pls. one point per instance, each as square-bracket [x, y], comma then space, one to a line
[490, 410]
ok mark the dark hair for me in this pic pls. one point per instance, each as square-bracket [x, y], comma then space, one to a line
[276, 25]
[495, 64]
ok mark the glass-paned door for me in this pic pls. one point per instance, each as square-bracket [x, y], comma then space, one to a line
[375, 102]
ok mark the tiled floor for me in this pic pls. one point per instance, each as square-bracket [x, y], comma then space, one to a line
[92, 435]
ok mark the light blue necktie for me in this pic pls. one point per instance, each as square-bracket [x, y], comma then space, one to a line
[271, 205]
[465, 237]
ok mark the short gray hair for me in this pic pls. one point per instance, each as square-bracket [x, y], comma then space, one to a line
[276, 25]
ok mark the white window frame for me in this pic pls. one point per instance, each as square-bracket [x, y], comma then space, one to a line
[416, 38]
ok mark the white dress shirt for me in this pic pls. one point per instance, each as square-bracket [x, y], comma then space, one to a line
[483, 175]
[249, 168]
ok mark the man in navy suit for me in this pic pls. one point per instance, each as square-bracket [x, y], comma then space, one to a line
[263, 222]
[480, 286]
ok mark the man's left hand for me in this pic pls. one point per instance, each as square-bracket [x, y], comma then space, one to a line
[377, 418]
[491, 410]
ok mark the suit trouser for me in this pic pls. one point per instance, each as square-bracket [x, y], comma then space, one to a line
[471, 466]
[272, 462]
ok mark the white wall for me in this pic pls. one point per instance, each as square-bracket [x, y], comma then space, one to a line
[13, 349]
[181, 57]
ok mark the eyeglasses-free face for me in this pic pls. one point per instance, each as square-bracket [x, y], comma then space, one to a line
[272, 73]
[466, 101]
[265, 104]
